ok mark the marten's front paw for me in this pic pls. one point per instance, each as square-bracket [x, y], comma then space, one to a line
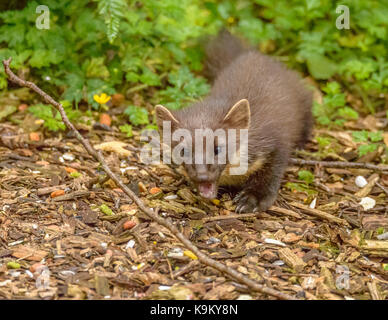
[248, 202]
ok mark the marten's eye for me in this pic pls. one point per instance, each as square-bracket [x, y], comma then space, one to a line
[217, 150]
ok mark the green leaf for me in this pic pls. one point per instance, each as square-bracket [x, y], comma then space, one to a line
[332, 87]
[45, 112]
[300, 187]
[375, 136]
[348, 113]
[321, 67]
[150, 78]
[366, 148]
[127, 128]
[137, 115]
[360, 136]
[306, 176]
[96, 68]
[112, 10]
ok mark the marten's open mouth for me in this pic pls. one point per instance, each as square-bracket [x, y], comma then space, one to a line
[208, 189]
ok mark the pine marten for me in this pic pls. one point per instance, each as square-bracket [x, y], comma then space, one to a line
[249, 91]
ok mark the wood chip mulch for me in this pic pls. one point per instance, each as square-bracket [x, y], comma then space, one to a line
[67, 233]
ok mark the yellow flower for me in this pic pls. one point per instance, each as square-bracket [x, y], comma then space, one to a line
[102, 99]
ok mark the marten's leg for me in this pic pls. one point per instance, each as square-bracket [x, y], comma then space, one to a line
[261, 189]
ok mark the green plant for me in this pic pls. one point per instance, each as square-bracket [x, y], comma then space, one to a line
[306, 176]
[333, 109]
[152, 47]
[51, 117]
[137, 115]
[127, 129]
[112, 11]
[368, 139]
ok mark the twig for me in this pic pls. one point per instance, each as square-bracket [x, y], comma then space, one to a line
[285, 211]
[382, 188]
[167, 223]
[254, 215]
[320, 214]
[233, 216]
[187, 268]
[339, 164]
[368, 188]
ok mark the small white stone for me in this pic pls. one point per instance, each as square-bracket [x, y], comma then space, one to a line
[313, 203]
[383, 236]
[164, 288]
[171, 197]
[273, 241]
[68, 157]
[278, 263]
[213, 240]
[367, 203]
[29, 273]
[176, 252]
[361, 182]
[130, 244]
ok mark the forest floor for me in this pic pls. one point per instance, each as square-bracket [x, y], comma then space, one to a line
[65, 234]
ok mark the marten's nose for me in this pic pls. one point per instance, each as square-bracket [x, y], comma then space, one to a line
[201, 173]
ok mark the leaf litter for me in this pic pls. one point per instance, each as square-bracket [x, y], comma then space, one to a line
[67, 232]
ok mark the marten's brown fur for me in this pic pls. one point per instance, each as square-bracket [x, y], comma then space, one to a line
[250, 90]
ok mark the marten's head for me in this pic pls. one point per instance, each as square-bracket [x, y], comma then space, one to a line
[200, 139]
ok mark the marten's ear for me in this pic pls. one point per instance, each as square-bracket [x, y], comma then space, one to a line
[163, 114]
[238, 116]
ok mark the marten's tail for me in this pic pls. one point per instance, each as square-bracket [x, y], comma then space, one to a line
[221, 51]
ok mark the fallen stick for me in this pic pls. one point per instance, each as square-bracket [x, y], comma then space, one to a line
[232, 216]
[320, 214]
[167, 223]
[339, 164]
[253, 215]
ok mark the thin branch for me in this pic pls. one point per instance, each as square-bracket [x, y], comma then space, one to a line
[167, 223]
[339, 164]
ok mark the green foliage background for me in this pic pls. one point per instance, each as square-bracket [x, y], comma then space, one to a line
[153, 46]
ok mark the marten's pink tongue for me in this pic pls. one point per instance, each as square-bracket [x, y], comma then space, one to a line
[207, 190]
